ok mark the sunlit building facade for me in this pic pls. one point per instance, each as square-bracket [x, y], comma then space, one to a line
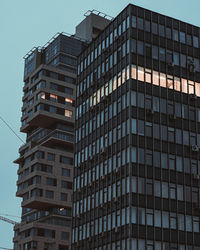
[137, 136]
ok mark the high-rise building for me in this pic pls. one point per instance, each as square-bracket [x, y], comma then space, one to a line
[137, 136]
[46, 159]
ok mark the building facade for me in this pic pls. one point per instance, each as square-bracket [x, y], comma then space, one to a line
[46, 159]
[137, 136]
[45, 171]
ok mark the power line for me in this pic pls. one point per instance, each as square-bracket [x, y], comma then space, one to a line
[11, 129]
[10, 215]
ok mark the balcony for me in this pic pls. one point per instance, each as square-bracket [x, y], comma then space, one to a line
[57, 137]
[45, 119]
[42, 203]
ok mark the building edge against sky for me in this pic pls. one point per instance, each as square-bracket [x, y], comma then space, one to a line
[137, 132]
[46, 159]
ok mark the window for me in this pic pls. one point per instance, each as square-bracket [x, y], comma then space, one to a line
[175, 35]
[195, 41]
[155, 52]
[68, 113]
[66, 184]
[155, 28]
[64, 235]
[149, 217]
[65, 172]
[182, 37]
[66, 160]
[50, 157]
[51, 181]
[161, 30]
[133, 46]
[134, 24]
[52, 109]
[162, 54]
[49, 194]
[140, 23]
[147, 26]
[63, 197]
[176, 58]
[169, 33]
[140, 48]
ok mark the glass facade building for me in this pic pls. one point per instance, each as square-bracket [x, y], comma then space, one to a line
[137, 136]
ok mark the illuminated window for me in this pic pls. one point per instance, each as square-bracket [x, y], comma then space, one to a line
[123, 76]
[68, 113]
[190, 87]
[162, 80]
[155, 78]
[133, 72]
[148, 75]
[141, 74]
[53, 98]
[184, 85]
[67, 100]
[177, 84]
[114, 83]
[170, 81]
[119, 78]
[41, 95]
[197, 88]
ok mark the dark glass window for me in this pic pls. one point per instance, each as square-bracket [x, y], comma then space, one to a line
[134, 23]
[164, 160]
[182, 37]
[175, 35]
[50, 157]
[147, 26]
[65, 172]
[141, 100]
[66, 160]
[155, 28]
[168, 33]
[156, 131]
[140, 47]
[155, 52]
[64, 236]
[169, 56]
[141, 155]
[189, 39]
[52, 109]
[140, 127]
[162, 54]
[63, 197]
[51, 181]
[140, 23]
[49, 194]
[196, 41]
[66, 184]
[164, 132]
[183, 60]
[161, 30]
[133, 45]
[156, 159]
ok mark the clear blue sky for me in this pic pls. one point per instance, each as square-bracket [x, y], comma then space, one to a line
[25, 24]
